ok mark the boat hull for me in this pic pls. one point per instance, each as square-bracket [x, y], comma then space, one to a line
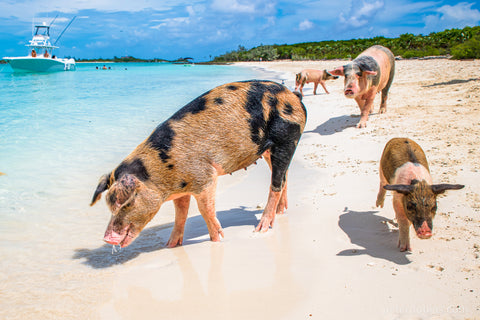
[40, 64]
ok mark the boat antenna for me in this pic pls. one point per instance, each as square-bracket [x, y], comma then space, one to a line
[68, 25]
[53, 21]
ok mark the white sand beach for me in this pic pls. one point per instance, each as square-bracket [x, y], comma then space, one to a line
[334, 254]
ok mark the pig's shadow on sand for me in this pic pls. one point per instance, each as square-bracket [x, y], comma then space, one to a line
[371, 232]
[336, 124]
[155, 238]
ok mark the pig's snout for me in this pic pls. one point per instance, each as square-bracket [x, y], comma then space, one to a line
[111, 237]
[349, 92]
[115, 238]
[424, 232]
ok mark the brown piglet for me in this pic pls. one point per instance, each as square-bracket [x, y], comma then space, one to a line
[312, 75]
[404, 170]
[224, 130]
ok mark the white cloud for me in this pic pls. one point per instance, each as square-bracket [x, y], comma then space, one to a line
[97, 44]
[305, 25]
[270, 22]
[457, 16]
[233, 6]
[460, 12]
[25, 10]
[191, 11]
[253, 7]
[359, 17]
[171, 23]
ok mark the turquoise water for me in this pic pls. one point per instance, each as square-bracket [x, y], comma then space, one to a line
[59, 133]
[57, 128]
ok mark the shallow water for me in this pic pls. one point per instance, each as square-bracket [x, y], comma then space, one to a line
[59, 133]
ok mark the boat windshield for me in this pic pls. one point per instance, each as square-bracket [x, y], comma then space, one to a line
[42, 31]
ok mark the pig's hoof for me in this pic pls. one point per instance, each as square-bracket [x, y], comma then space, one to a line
[217, 237]
[361, 124]
[404, 247]
[379, 203]
[383, 110]
[172, 243]
[281, 208]
[264, 225]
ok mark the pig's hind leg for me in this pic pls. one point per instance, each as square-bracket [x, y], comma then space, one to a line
[383, 104]
[181, 212]
[278, 158]
[283, 201]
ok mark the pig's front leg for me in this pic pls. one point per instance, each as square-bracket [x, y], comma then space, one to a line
[181, 212]
[206, 205]
[365, 107]
[324, 87]
[381, 190]
[403, 224]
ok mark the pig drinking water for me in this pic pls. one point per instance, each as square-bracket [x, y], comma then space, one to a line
[404, 169]
[312, 75]
[371, 72]
[222, 131]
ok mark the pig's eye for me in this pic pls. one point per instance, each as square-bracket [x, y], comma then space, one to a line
[411, 206]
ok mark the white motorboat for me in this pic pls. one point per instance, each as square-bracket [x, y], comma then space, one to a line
[41, 58]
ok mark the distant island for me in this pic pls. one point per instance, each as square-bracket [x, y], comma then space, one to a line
[133, 59]
[455, 43]
[187, 60]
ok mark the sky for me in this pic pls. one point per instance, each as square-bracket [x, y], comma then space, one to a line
[203, 29]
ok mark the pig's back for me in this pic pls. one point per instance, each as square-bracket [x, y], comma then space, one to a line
[399, 151]
[385, 60]
[229, 125]
[313, 75]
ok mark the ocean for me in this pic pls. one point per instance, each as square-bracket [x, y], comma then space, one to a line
[59, 132]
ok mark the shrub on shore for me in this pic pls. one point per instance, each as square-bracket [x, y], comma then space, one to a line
[460, 43]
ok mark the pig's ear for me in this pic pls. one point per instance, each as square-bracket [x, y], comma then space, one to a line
[372, 73]
[402, 188]
[337, 72]
[441, 188]
[103, 185]
[122, 192]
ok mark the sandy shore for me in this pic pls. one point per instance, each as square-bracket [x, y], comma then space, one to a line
[333, 255]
